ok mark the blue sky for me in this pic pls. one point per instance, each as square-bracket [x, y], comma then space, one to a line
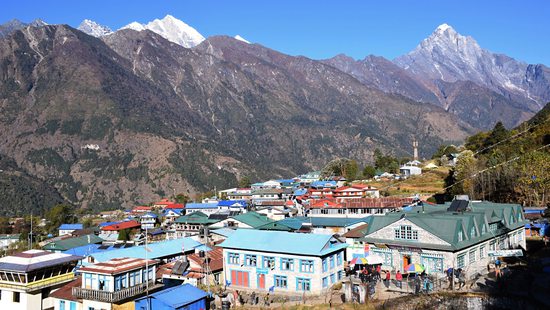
[321, 29]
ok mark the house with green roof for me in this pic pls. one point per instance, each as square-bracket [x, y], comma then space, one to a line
[282, 262]
[70, 243]
[245, 220]
[189, 225]
[461, 235]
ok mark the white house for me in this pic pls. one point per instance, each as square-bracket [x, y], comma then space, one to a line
[410, 170]
[286, 263]
[6, 240]
[67, 229]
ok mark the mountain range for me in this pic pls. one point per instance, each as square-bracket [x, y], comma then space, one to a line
[171, 111]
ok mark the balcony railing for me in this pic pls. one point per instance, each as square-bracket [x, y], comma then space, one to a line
[36, 285]
[112, 297]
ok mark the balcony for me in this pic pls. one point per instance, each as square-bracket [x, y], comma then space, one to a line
[113, 297]
[40, 284]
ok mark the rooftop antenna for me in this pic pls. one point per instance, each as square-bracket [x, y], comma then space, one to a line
[30, 235]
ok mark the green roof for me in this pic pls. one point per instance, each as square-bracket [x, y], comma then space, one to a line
[446, 224]
[12, 236]
[69, 243]
[253, 219]
[197, 218]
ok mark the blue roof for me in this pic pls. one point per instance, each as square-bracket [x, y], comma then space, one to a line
[177, 211]
[71, 226]
[178, 296]
[283, 242]
[195, 205]
[229, 203]
[156, 250]
[87, 250]
[300, 192]
[107, 224]
[226, 232]
[323, 184]
[150, 214]
[325, 221]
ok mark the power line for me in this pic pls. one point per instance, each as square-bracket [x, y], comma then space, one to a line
[495, 166]
[505, 140]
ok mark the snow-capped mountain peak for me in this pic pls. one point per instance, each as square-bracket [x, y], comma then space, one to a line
[238, 37]
[172, 29]
[94, 29]
[443, 27]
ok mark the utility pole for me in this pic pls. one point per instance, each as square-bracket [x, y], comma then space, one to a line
[30, 235]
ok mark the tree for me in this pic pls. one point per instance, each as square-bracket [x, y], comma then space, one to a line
[244, 182]
[460, 178]
[58, 215]
[182, 198]
[533, 184]
[369, 172]
[444, 150]
[386, 163]
[347, 168]
[124, 235]
[351, 169]
[498, 134]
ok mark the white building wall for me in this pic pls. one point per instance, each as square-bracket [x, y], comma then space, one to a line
[26, 301]
[388, 232]
[316, 276]
[57, 305]
[86, 304]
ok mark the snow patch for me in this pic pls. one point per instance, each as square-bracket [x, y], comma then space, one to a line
[94, 29]
[238, 37]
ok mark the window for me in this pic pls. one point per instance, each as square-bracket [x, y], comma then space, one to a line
[280, 281]
[61, 305]
[473, 232]
[481, 252]
[332, 278]
[472, 257]
[339, 259]
[460, 237]
[331, 262]
[325, 282]
[483, 230]
[234, 258]
[520, 235]
[406, 232]
[325, 268]
[87, 280]
[287, 264]
[250, 260]
[306, 266]
[492, 245]
[460, 261]
[16, 296]
[303, 284]
[493, 226]
[269, 262]
[340, 275]
[72, 305]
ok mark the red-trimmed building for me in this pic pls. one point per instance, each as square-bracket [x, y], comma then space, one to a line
[131, 226]
[141, 209]
[355, 207]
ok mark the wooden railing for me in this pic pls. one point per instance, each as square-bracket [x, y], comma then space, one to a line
[106, 296]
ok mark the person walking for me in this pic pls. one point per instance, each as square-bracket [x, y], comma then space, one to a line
[399, 279]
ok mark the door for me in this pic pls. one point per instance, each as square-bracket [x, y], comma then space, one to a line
[406, 261]
[261, 281]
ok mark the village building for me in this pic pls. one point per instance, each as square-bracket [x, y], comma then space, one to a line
[232, 206]
[148, 220]
[115, 283]
[276, 209]
[249, 220]
[240, 194]
[131, 226]
[163, 203]
[141, 209]
[408, 171]
[355, 207]
[170, 215]
[308, 178]
[67, 229]
[459, 235]
[282, 262]
[266, 194]
[206, 208]
[202, 267]
[189, 225]
[8, 239]
[26, 278]
[69, 243]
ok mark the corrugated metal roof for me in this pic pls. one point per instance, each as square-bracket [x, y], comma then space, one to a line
[156, 250]
[283, 242]
[35, 259]
[226, 232]
[69, 243]
[194, 205]
[178, 296]
[71, 226]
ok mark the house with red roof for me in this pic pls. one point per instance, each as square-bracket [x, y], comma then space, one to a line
[131, 226]
[141, 209]
[163, 203]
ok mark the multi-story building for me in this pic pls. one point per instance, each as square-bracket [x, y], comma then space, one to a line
[148, 220]
[27, 278]
[286, 263]
[115, 282]
[459, 235]
[6, 240]
[67, 229]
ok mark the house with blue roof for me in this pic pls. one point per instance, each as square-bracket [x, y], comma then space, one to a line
[206, 208]
[67, 229]
[232, 205]
[148, 220]
[282, 262]
[184, 296]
